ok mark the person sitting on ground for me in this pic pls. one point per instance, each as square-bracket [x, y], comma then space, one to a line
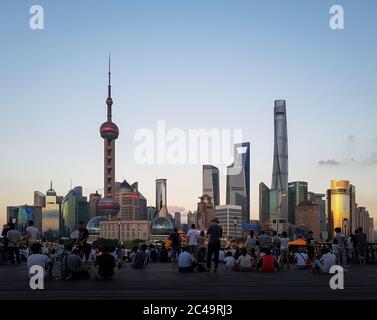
[37, 258]
[301, 259]
[141, 258]
[268, 263]
[221, 255]
[229, 261]
[325, 262]
[72, 265]
[153, 256]
[244, 261]
[164, 255]
[104, 265]
[186, 261]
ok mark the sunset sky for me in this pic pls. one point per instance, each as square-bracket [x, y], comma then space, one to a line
[213, 64]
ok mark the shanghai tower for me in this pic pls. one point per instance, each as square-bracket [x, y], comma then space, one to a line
[109, 206]
[280, 166]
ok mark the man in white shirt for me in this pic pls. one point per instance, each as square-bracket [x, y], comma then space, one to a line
[244, 261]
[13, 237]
[36, 258]
[324, 264]
[193, 240]
[186, 262]
[33, 234]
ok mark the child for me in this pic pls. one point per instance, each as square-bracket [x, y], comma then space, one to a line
[229, 261]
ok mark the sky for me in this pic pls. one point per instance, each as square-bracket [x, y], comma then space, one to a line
[212, 64]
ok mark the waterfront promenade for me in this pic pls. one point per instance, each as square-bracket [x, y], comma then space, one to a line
[162, 281]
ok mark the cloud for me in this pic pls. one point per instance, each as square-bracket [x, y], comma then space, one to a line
[330, 162]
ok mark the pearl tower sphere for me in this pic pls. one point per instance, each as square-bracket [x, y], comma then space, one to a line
[109, 206]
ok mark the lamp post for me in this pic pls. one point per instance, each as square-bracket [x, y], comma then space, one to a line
[235, 221]
[119, 223]
[345, 224]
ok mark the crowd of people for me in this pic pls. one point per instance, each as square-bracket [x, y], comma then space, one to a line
[78, 259]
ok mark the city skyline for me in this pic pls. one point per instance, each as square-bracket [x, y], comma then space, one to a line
[58, 116]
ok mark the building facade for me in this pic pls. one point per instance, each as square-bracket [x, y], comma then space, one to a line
[280, 164]
[211, 183]
[94, 199]
[51, 215]
[264, 203]
[308, 217]
[238, 180]
[177, 220]
[75, 208]
[319, 199]
[205, 212]
[228, 215]
[124, 230]
[338, 207]
[133, 205]
[297, 193]
[20, 215]
[39, 199]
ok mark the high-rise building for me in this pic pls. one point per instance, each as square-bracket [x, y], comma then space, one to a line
[161, 194]
[238, 180]
[205, 213]
[109, 206]
[20, 215]
[297, 193]
[177, 220]
[133, 205]
[308, 217]
[353, 207]
[151, 212]
[230, 218]
[75, 208]
[280, 166]
[338, 206]
[211, 183]
[39, 199]
[94, 199]
[319, 199]
[51, 214]
[264, 203]
[191, 218]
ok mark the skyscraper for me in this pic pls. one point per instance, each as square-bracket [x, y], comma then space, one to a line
[75, 208]
[318, 198]
[109, 206]
[177, 220]
[133, 205]
[211, 183]
[228, 215]
[338, 206]
[161, 194]
[94, 199]
[308, 217]
[280, 166]
[39, 199]
[264, 203]
[297, 193]
[51, 215]
[238, 180]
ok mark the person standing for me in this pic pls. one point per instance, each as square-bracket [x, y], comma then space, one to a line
[263, 240]
[342, 240]
[310, 243]
[202, 246]
[83, 247]
[284, 250]
[13, 237]
[193, 241]
[251, 242]
[33, 234]
[215, 233]
[361, 239]
[176, 244]
[275, 244]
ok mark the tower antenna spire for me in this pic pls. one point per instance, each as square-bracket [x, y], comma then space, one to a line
[109, 86]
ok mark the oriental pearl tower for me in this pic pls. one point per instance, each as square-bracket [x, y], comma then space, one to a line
[109, 206]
